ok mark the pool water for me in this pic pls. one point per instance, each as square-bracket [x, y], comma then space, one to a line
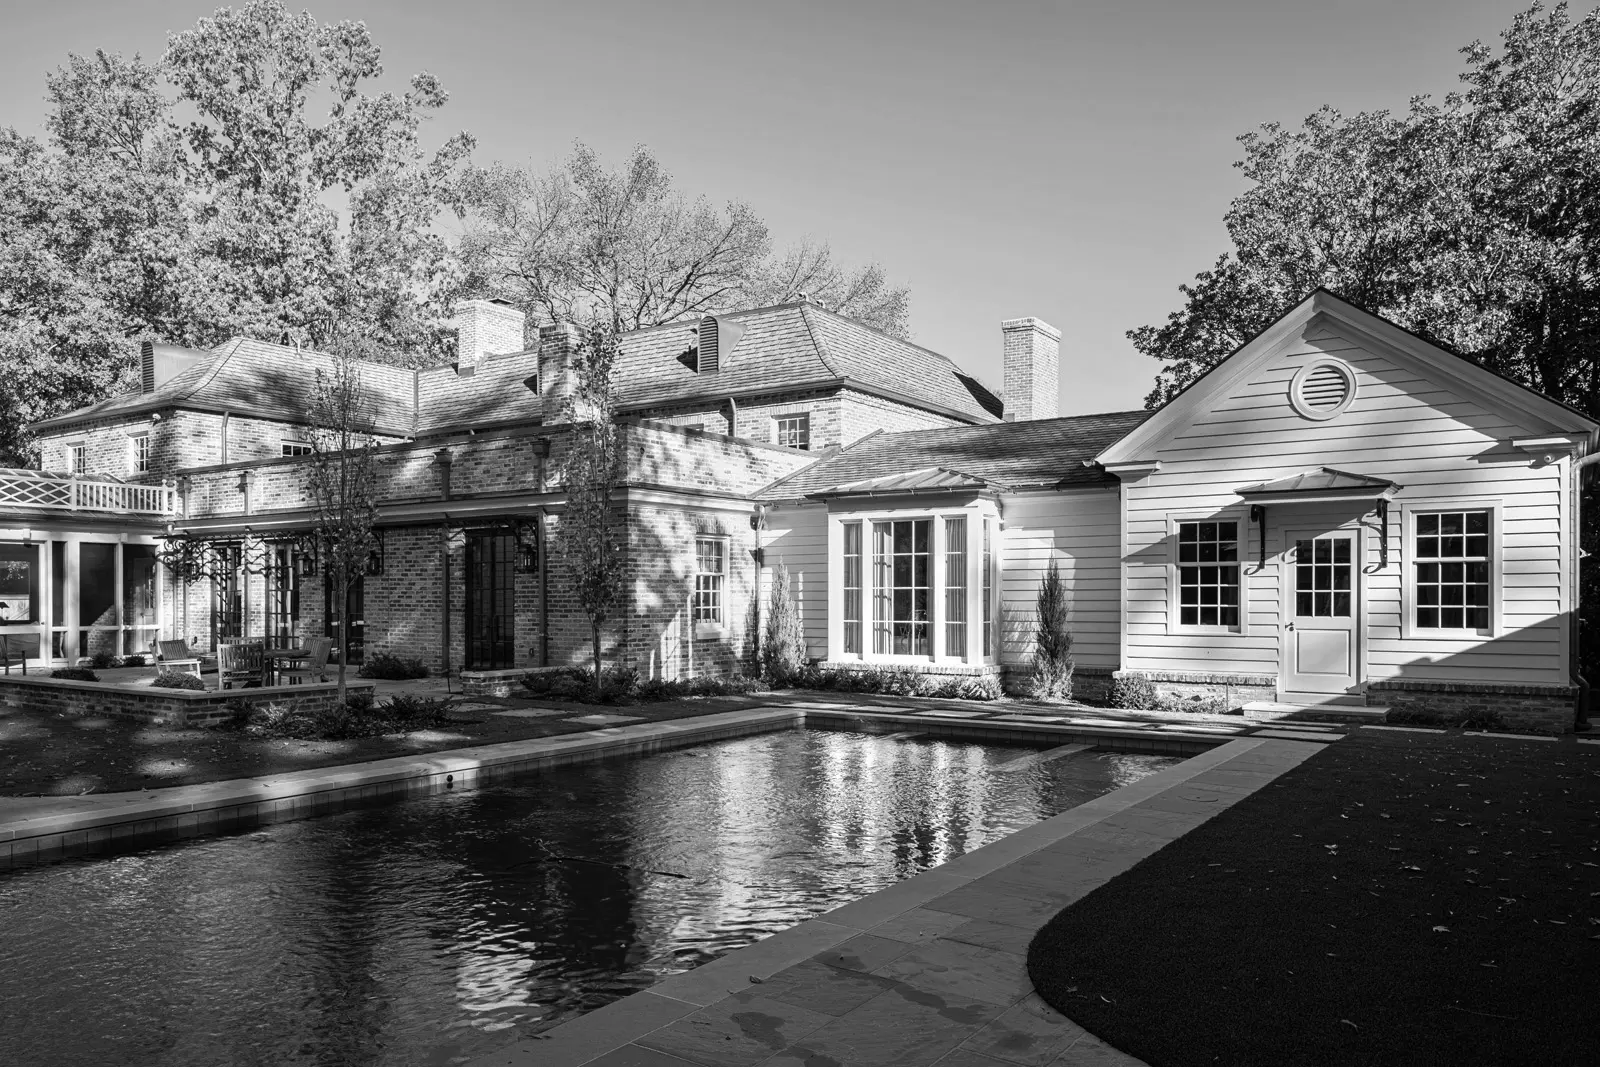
[441, 928]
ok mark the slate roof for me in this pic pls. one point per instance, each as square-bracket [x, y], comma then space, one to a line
[797, 345]
[1004, 455]
[784, 348]
[260, 380]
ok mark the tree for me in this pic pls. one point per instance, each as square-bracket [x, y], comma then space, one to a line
[1474, 222]
[581, 242]
[1051, 676]
[589, 538]
[342, 480]
[783, 652]
[196, 199]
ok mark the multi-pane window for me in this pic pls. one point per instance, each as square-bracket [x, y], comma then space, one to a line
[1323, 577]
[140, 445]
[296, 448]
[710, 573]
[1208, 573]
[852, 588]
[955, 587]
[283, 596]
[988, 588]
[1452, 570]
[793, 431]
[227, 606]
[902, 556]
[77, 459]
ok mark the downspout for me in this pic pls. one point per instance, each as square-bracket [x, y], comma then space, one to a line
[544, 589]
[758, 523]
[1581, 719]
[733, 417]
[444, 459]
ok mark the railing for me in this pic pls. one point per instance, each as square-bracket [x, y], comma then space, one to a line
[35, 489]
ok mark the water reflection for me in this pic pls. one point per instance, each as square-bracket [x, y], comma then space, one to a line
[438, 929]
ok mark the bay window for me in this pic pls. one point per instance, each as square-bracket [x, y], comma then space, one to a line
[910, 588]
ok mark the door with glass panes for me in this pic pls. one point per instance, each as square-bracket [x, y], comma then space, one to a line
[1322, 609]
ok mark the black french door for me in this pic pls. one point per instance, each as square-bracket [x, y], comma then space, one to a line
[355, 611]
[491, 596]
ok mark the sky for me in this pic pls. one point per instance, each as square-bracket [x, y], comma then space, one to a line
[1071, 160]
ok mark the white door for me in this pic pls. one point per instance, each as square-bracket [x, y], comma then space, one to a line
[1322, 610]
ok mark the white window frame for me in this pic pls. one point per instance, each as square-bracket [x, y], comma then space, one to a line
[137, 443]
[1409, 630]
[718, 626]
[78, 458]
[1175, 519]
[777, 432]
[290, 449]
[975, 515]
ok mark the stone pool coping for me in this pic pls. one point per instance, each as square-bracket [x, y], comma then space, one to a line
[930, 969]
[45, 829]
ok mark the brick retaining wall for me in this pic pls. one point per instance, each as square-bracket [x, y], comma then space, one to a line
[174, 707]
[1543, 709]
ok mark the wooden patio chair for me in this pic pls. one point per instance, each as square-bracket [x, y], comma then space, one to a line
[314, 666]
[239, 662]
[175, 656]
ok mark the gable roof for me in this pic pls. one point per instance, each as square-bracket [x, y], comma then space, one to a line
[1443, 366]
[1005, 455]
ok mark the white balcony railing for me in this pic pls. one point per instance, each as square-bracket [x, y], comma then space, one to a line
[51, 492]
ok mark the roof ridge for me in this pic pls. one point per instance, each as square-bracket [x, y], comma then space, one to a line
[821, 347]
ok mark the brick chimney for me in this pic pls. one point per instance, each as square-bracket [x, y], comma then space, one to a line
[487, 328]
[557, 345]
[1033, 369]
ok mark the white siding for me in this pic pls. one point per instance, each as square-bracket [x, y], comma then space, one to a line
[1080, 528]
[1438, 445]
[797, 537]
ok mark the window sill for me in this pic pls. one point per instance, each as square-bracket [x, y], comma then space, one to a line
[705, 630]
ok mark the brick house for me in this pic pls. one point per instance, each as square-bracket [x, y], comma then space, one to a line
[1338, 512]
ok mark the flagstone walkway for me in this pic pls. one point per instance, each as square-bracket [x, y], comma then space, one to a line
[930, 970]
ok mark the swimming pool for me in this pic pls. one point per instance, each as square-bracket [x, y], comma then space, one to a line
[434, 930]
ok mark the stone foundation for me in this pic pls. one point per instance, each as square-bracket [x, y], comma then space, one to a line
[1542, 709]
[174, 707]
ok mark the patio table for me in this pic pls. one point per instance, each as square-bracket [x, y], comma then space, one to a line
[275, 659]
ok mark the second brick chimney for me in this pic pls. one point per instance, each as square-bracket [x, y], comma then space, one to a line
[487, 328]
[1032, 368]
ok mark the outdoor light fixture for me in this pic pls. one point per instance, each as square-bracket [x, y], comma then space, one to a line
[527, 535]
[375, 556]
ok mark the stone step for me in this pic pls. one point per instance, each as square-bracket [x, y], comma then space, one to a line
[1267, 711]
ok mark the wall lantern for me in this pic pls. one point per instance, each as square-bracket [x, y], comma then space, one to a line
[375, 556]
[527, 535]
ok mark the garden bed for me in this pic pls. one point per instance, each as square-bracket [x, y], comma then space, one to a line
[1400, 898]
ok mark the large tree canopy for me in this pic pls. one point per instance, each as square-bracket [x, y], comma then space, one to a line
[1473, 221]
[580, 242]
[202, 197]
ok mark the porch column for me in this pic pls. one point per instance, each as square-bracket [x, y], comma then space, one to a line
[69, 591]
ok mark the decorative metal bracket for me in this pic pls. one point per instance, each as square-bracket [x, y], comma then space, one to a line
[1258, 515]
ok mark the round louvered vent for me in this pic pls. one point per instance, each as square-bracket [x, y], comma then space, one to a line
[1323, 389]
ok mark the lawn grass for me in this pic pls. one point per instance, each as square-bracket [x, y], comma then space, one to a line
[1398, 899]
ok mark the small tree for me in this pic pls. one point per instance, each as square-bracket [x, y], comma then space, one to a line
[589, 537]
[341, 480]
[784, 650]
[1052, 646]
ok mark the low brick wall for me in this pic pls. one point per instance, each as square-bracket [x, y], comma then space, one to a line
[1236, 690]
[174, 707]
[1541, 709]
[953, 670]
[1091, 685]
[501, 683]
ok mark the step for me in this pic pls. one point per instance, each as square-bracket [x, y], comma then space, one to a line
[1267, 711]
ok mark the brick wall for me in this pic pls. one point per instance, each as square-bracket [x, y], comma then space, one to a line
[1543, 709]
[176, 707]
[862, 413]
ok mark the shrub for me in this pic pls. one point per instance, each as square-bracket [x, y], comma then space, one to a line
[415, 710]
[360, 701]
[178, 680]
[133, 661]
[1136, 692]
[392, 668]
[783, 654]
[75, 674]
[101, 661]
[1051, 676]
